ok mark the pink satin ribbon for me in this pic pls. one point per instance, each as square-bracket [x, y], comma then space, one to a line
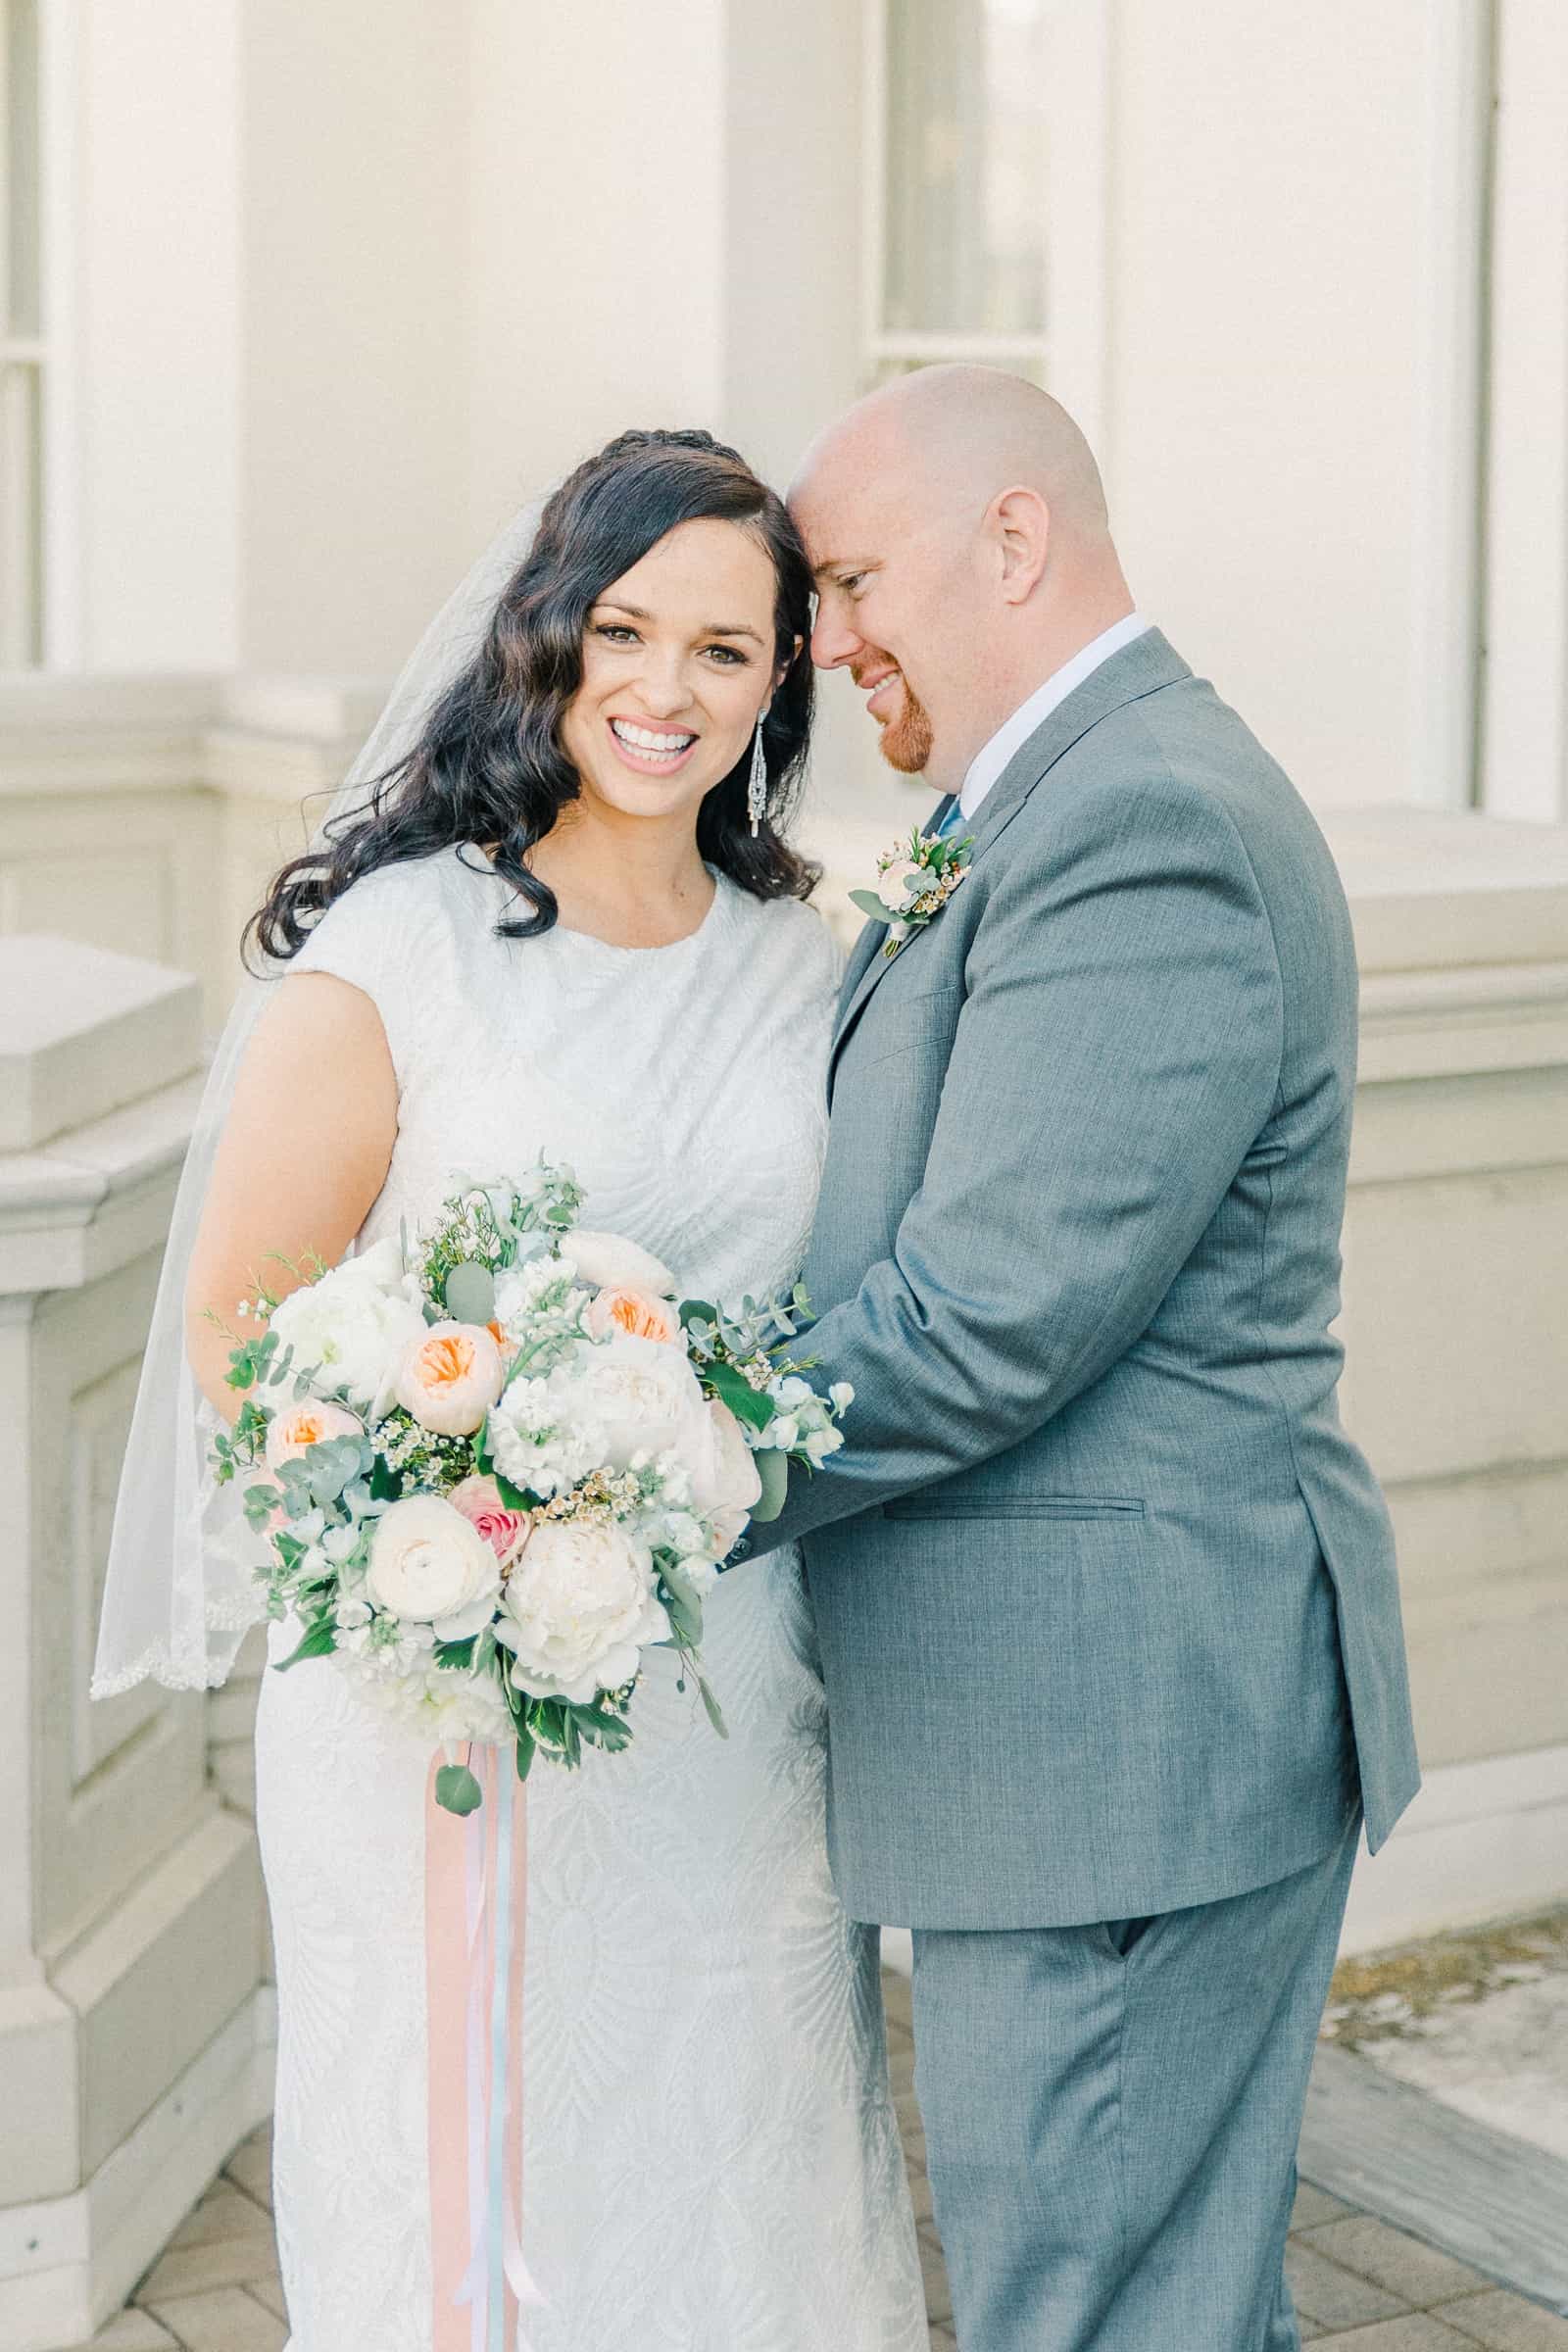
[481, 2283]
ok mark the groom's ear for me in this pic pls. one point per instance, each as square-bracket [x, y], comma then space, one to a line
[1018, 524]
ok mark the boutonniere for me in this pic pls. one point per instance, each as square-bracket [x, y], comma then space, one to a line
[915, 880]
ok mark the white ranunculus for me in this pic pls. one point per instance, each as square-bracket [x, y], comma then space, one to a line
[611, 1262]
[356, 1324]
[641, 1397]
[577, 1609]
[430, 1565]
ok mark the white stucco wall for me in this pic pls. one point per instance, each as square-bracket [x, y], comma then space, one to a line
[356, 280]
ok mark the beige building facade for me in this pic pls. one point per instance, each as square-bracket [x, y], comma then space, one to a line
[301, 300]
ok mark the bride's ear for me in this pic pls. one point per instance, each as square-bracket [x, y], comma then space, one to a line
[784, 667]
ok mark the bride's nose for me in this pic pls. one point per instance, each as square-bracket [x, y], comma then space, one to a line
[665, 687]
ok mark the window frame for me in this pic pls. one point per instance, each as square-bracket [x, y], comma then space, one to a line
[1068, 357]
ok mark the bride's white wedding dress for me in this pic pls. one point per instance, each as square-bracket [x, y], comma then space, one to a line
[711, 2157]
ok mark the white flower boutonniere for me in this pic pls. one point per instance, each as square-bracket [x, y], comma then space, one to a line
[915, 880]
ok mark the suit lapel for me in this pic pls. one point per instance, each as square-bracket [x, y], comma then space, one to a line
[1142, 667]
[866, 961]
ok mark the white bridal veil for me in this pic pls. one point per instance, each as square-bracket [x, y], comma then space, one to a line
[180, 1590]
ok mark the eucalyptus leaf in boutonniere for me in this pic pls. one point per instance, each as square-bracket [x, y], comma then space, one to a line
[915, 880]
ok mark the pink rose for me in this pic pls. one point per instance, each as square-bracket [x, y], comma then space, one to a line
[449, 1377]
[307, 1424]
[480, 1500]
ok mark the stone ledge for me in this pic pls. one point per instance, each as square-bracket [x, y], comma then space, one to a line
[86, 1031]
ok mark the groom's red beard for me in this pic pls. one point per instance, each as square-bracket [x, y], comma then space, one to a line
[906, 738]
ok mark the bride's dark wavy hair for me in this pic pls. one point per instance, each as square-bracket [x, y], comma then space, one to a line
[488, 765]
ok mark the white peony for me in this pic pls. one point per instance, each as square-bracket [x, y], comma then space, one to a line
[431, 1565]
[611, 1262]
[579, 1608]
[356, 1324]
[640, 1396]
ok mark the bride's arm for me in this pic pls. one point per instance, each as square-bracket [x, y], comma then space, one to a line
[304, 1153]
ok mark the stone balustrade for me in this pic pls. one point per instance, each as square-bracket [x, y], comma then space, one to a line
[134, 2028]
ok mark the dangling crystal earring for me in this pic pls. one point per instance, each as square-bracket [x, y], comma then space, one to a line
[756, 786]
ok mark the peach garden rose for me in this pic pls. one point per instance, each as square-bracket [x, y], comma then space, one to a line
[311, 1423]
[636, 1312]
[449, 1377]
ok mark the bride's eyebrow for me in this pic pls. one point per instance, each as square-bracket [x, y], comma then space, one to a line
[712, 628]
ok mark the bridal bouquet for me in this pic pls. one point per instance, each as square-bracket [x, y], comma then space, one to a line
[500, 1463]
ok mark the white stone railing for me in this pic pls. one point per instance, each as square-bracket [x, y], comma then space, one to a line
[143, 816]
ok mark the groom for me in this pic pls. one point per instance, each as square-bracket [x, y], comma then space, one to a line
[1107, 1596]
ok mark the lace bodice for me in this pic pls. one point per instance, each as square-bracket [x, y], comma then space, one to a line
[681, 1084]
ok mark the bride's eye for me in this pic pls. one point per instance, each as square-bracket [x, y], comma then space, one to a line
[731, 656]
[617, 631]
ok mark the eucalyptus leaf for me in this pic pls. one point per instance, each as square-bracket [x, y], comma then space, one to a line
[683, 1609]
[870, 904]
[471, 1292]
[696, 1311]
[456, 1790]
[711, 1708]
[773, 1469]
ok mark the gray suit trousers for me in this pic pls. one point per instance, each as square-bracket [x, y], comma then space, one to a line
[1112, 2115]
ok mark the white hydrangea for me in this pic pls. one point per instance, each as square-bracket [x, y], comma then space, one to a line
[536, 1442]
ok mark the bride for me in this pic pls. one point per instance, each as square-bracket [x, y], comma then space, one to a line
[566, 920]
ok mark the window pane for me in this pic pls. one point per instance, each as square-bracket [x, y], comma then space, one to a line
[965, 177]
[18, 166]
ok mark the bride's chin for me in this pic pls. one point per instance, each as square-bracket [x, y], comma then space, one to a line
[628, 795]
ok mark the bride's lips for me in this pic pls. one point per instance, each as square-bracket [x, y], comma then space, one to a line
[646, 756]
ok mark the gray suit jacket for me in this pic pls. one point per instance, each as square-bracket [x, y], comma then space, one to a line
[1106, 1597]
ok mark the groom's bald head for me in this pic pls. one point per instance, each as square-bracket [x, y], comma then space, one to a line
[953, 437]
[956, 522]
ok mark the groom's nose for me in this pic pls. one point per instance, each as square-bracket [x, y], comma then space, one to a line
[833, 641]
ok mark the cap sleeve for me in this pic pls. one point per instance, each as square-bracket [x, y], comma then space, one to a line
[367, 937]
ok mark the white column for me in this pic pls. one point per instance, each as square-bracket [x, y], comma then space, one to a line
[134, 2036]
[1525, 737]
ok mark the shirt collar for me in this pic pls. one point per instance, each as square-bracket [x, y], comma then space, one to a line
[993, 756]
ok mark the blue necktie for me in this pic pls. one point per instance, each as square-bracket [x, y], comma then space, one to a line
[950, 822]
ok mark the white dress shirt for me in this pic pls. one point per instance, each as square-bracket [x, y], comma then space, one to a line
[993, 756]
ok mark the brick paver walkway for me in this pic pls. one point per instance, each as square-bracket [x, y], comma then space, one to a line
[1359, 2285]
